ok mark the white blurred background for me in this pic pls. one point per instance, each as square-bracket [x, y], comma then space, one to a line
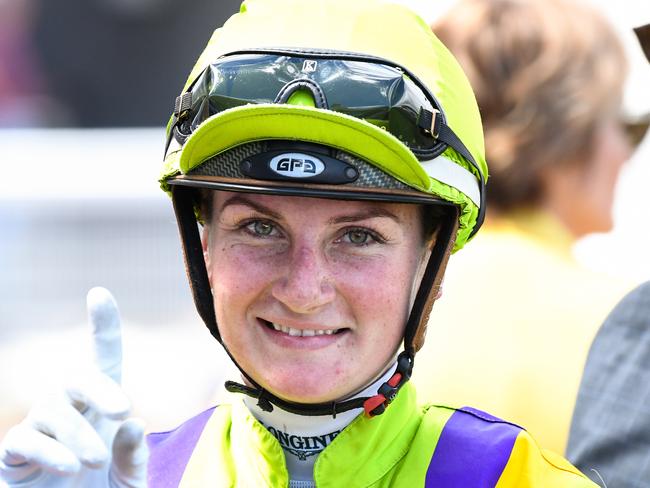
[78, 210]
[80, 205]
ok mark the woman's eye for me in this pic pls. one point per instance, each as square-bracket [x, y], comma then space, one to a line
[358, 236]
[261, 228]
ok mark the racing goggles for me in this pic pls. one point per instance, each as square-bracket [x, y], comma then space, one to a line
[366, 87]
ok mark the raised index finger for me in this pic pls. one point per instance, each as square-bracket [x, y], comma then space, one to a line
[104, 319]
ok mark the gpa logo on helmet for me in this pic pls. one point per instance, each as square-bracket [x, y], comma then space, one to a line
[296, 165]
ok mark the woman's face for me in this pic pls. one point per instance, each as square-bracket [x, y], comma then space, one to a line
[312, 295]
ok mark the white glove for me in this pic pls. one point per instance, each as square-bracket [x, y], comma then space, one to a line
[65, 439]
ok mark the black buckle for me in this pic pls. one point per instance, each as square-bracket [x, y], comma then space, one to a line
[430, 122]
[376, 404]
[182, 105]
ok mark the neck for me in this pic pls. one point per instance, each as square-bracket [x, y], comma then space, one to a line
[303, 437]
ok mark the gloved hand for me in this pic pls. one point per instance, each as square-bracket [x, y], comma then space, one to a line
[67, 438]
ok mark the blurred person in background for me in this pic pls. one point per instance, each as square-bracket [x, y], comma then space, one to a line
[610, 432]
[548, 76]
[58, 59]
[84, 44]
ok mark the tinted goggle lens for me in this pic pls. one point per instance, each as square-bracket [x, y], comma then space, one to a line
[377, 93]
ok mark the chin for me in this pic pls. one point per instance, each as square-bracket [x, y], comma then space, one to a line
[601, 227]
[301, 392]
[599, 223]
[306, 388]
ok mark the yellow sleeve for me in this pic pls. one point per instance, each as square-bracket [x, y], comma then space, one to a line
[530, 466]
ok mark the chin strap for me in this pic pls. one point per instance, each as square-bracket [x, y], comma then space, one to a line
[374, 405]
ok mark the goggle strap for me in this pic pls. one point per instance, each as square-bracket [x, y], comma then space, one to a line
[182, 106]
[449, 137]
[433, 123]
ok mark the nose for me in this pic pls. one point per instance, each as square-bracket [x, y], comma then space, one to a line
[304, 287]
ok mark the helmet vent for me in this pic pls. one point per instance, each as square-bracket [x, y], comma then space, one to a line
[304, 87]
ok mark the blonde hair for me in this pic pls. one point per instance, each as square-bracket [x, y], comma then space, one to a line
[545, 74]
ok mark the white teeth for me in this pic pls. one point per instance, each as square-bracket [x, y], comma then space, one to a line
[302, 332]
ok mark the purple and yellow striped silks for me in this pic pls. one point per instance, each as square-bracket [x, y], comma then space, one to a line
[460, 459]
[406, 447]
[173, 450]
[478, 450]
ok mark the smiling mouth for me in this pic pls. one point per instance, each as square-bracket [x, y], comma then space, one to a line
[300, 332]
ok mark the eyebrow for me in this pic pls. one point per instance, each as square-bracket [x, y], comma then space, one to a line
[362, 215]
[366, 214]
[242, 200]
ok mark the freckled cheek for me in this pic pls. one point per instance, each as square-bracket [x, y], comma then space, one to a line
[379, 292]
[239, 272]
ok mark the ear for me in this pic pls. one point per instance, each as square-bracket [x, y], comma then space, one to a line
[205, 245]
